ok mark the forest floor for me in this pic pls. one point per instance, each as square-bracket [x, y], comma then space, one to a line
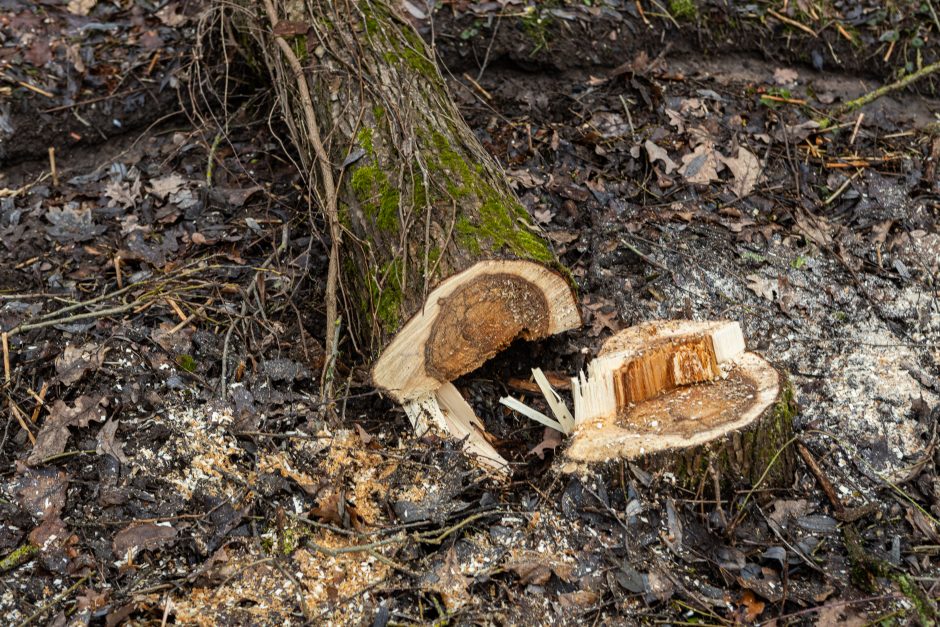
[166, 455]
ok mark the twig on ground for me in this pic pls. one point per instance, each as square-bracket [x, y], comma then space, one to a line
[5, 340]
[55, 601]
[842, 188]
[791, 22]
[21, 418]
[52, 169]
[884, 90]
[18, 557]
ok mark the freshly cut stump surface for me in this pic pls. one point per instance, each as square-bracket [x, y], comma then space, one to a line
[684, 397]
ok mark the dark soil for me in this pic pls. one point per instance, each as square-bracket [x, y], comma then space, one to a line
[164, 299]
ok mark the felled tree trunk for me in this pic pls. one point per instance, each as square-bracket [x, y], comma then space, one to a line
[438, 263]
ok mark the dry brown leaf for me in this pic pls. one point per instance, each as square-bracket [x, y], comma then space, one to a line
[450, 583]
[75, 361]
[108, 444]
[785, 76]
[659, 154]
[701, 165]
[746, 169]
[54, 433]
[551, 439]
[41, 491]
[81, 7]
[752, 606]
[164, 186]
[147, 536]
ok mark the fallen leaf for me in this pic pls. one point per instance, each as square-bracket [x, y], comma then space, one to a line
[551, 439]
[176, 343]
[763, 287]
[752, 606]
[746, 169]
[447, 580]
[123, 194]
[72, 224]
[525, 178]
[137, 537]
[41, 491]
[55, 544]
[815, 228]
[336, 510]
[81, 7]
[577, 599]
[54, 433]
[108, 444]
[164, 186]
[75, 361]
[170, 17]
[656, 153]
[289, 28]
[785, 76]
[701, 165]
[91, 599]
[543, 216]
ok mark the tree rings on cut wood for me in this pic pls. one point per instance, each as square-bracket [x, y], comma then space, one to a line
[469, 318]
[684, 397]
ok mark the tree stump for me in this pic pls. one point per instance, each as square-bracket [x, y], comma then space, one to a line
[686, 398]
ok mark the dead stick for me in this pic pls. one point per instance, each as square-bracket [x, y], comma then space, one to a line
[842, 188]
[117, 271]
[21, 418]
[40, 401]
[793, 23]
[52, 168]
[823, 480]
[858, 124]
[5, 340]
[871, 96]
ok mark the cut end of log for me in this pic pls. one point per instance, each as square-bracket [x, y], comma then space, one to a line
[466, 320]
[469, 318]
[668, 385]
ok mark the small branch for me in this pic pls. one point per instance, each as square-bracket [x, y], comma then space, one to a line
[874, 95]
[55, 601]
[18, 557]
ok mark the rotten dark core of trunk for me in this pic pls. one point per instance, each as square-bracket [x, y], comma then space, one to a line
[418, 198]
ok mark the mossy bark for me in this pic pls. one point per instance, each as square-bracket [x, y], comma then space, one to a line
[418, 197]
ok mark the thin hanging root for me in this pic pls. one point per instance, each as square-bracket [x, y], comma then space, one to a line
[326, 176]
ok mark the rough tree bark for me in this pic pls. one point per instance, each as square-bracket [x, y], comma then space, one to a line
[438, 265]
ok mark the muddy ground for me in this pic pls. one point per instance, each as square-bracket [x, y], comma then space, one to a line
[166, 455]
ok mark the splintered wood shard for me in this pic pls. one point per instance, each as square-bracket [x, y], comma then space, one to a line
[447, 410]
[667, 385]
